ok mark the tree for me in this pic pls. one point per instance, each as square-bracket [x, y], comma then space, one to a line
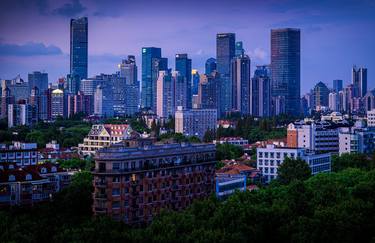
[209, 136]
[352, 160]
[228, 151]
[293, 169]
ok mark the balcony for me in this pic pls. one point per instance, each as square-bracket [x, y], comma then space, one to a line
[100, 196]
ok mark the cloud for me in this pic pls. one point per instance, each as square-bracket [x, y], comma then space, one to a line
[28, 49]
[70, 9]
[258, 54]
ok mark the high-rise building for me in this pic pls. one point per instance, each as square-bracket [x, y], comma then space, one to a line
[78, 47]
[225, 51]
[58, 104]
[260, 93]
[151, 65]
[135, 184]
[321, 94]
[103, 101]
[129, 70]
[286, 67]
[333, 101]
[6, 100]
[195, 122]
[239, 49]
[337, 85]
[195, 83]
[359, 80]
[208, 92]
[165, 94]
[180, 90]
[210, 66]
[39, 80]
[240, 75]
[22, 114]
[183, 66]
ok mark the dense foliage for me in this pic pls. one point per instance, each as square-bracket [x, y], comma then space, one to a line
[336, 207]
[228, 151]
[293, 169]
[82, 164]
[67, 132]
[353, 161]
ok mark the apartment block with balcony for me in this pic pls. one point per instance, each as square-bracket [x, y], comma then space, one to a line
[134, 184]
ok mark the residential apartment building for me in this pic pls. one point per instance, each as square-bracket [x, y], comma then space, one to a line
[227, 184]
[271, 157]
[134, 184]
[30, 184]
[238, 141]
[22, 154]
[195, 122]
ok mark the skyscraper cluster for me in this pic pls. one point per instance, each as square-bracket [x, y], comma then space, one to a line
[353, 98]
[227, 84]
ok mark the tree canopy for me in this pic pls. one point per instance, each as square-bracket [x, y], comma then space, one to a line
[293, 169]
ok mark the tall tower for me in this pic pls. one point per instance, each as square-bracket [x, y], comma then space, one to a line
[152, 64]
[210, 66]
[359, 80]
[260, 93]
[240, 76]
[78, 52]
[225, 51]
[183, 66]
[286, 68]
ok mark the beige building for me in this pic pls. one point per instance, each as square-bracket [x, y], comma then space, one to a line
[103, 135]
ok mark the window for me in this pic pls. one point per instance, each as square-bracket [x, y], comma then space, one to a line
[53, 169]
[116, 166]
[116, 191]
[116, 179]
[11, 178]
[116, 204]
[29, 177]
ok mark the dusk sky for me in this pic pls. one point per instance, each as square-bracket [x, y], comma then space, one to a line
[34, 34]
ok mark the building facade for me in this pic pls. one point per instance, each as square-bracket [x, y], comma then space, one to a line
[286, 67]
[78, 50]
[134, 184]
[195, 122]
[271, 157]
[240, 76]
[22, 154]
[225, 51]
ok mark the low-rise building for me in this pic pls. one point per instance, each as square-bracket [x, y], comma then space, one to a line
[103, 135]
[357, 139]
[227, 184]
[238, 141]
[30, 184]
[195, 122]
[22, 154]
[271, 157]
[134, 184]
[371, 118]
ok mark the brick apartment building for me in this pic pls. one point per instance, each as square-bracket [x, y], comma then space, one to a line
[134, 184]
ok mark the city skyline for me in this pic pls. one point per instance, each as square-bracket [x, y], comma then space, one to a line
[41, 42]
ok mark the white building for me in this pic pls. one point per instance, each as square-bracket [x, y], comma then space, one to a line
[57, 103]
[195, 122]
[271, 157]
[333, 101]
[22, 154]
[357, 139]
[319, 136]
[371, 118]
[165, 96]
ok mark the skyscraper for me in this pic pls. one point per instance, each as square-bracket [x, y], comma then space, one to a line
[152, 63]
[240, 76]
[208, 91]
[225, 51]
[321, 94]
[210, 65]
[78, 52]
[195, 83]
[260, 93]
[239, 49]
[359, 80]
[337, 85]
[183, 66]
[39, 80]
[129, 70]
[165, 97]
[286, 68]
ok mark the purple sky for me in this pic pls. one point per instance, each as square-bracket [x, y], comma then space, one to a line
[34, 34]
